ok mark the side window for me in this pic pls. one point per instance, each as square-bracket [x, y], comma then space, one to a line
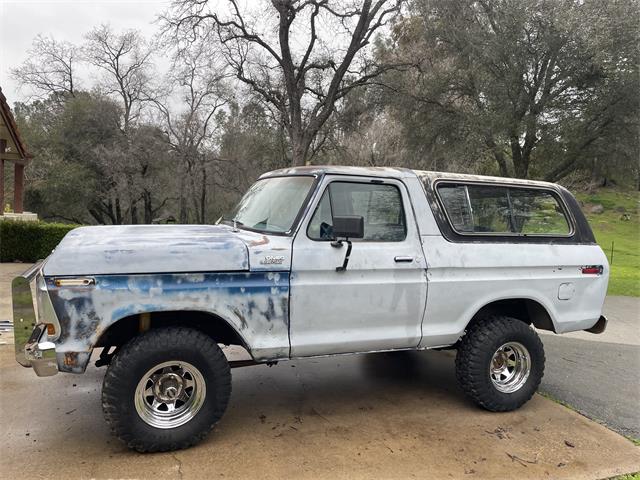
[503, 210]
[456, 202]
[321, 224]
[490, 209]
[379, 204]
[537, 211]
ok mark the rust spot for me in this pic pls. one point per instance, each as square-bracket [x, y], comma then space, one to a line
[71, 359]
[263, 241]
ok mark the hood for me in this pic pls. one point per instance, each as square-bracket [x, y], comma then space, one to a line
[130, 249]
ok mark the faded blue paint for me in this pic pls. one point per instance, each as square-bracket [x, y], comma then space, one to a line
[254, 304]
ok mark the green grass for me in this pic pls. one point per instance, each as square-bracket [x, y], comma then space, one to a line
[609, 227]
[628, 476]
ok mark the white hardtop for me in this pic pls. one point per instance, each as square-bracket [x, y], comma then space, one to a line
[399, 172]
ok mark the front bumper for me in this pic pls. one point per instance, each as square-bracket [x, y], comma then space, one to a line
[33, 346]
[41, 353]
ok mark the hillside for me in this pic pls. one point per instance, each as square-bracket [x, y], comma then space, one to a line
[617, 225]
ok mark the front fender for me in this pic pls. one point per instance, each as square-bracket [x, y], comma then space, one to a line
[256, 305]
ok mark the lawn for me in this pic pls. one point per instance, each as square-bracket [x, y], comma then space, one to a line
[612, 228]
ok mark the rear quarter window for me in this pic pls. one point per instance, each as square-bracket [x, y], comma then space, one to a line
[477, 209]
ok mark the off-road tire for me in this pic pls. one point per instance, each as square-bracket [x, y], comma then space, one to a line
[143, 353]
[475, 354]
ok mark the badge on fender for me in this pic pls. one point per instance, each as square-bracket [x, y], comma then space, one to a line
[272, 260]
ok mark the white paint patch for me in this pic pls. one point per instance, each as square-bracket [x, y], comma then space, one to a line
[137, 249]
[274, 276]
[194, 277]
[155, 292]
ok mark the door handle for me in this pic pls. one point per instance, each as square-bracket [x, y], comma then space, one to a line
[403, 259]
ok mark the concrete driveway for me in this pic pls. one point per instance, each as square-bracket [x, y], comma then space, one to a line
[361, 416]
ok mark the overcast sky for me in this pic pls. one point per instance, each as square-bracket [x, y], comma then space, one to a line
[22, 20]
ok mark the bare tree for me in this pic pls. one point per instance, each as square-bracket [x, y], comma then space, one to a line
[197, 76]
[126, 60]
[50, 68]
[303, 83]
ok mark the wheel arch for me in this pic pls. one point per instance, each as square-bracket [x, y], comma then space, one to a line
[528, 310]
[130, 326]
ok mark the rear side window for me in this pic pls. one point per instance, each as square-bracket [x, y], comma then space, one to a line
[380, 205]
[503, 210]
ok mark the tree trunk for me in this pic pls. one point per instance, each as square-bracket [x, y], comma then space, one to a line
[182, 216]
[520, 159]
[134, 212]
[118, 212]
[203, 195]
[498, 154]
[194, 199]
[297, 151]
[148, 210]
[97, 215]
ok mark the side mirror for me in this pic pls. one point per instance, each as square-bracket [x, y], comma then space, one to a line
[348, 226]
[344, 228]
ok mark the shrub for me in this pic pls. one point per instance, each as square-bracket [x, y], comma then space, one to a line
[29, 241]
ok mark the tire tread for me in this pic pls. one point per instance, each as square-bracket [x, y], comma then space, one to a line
[471, 369]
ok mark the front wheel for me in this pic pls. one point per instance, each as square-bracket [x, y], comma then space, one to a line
[166, 389]
[500, 363]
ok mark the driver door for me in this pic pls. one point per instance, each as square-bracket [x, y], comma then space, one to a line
[378, 302]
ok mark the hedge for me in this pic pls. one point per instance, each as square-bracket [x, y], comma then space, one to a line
[29, 241]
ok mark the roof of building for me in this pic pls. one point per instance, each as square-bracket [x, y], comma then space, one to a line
[16, 150]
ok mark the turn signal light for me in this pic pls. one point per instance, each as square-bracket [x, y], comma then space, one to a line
[592, 270]
[75, 282]
[51, 329]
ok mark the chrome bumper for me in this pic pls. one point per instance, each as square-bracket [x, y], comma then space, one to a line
[600, 326]
[41, 353]
[32, 345]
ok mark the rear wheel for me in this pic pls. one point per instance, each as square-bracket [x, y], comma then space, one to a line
[166, 389]
[500, 363]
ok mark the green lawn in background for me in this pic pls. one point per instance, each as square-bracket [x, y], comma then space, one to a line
[610, 227]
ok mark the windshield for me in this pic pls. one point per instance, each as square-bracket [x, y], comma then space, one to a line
[272, 205]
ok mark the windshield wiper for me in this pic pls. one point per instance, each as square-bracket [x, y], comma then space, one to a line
[236, 223]
[233, 221]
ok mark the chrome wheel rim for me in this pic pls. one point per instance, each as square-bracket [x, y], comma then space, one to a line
[510, 367]
[170, 394]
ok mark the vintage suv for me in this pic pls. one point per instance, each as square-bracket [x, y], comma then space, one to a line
[314, 261]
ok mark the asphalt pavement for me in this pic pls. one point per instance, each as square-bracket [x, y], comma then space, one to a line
[599, 375]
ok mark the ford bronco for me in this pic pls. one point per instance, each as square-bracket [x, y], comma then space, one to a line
[406, 260]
